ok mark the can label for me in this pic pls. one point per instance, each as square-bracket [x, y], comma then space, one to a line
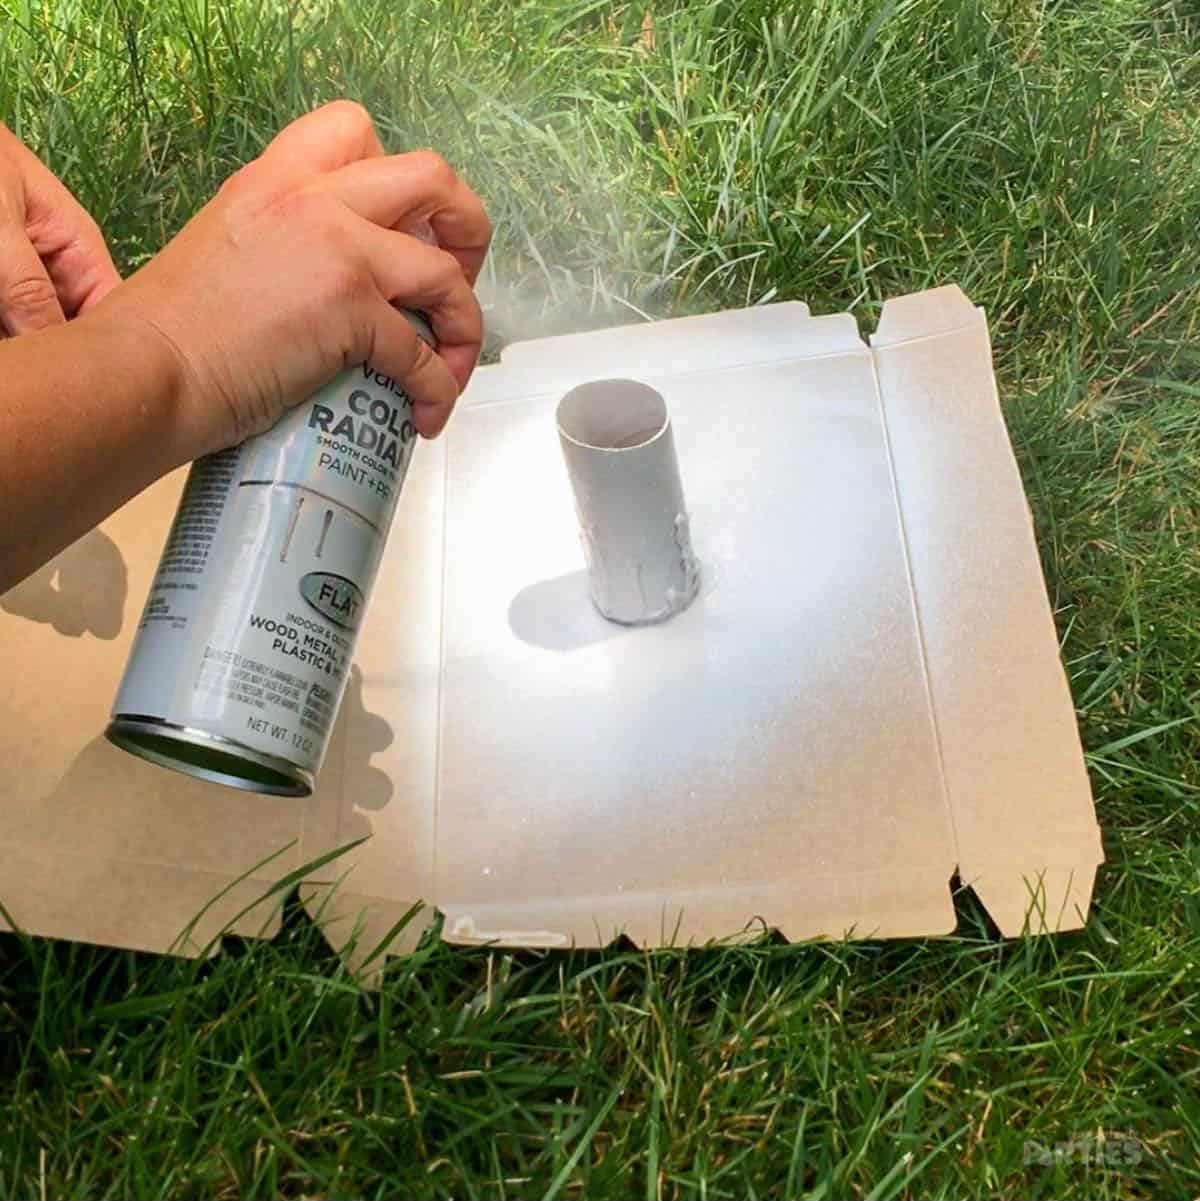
[250, 624]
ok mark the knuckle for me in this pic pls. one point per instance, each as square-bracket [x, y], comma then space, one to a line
[449, 269]
[292, 202]
[247, 192]
[306, 211]
[434, 168]
[352, 116]
[243, 181]
[29, 294]
[337, 239]
[345, 280]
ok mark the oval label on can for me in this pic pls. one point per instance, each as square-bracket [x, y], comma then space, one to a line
[333, 596]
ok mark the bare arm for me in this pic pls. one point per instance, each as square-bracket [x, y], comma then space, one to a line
[89, 415]
[293, 271]
[66, 439]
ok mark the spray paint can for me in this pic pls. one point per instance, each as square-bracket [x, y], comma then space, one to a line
[245, 643]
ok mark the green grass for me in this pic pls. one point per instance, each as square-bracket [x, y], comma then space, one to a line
[713, 153]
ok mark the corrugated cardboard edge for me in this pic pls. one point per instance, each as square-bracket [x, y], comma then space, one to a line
[1017, 785]
[192, 909]
[858, 905]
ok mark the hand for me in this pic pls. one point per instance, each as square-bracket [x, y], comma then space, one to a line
[53, 261]
[296, 270]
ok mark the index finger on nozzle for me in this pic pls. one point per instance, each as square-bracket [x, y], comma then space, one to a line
[418, 189]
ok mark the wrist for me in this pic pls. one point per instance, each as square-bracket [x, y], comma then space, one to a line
[137, 345]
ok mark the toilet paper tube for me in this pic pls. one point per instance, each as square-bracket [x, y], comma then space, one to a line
[620, 453]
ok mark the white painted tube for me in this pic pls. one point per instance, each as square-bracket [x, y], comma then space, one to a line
[620, 453]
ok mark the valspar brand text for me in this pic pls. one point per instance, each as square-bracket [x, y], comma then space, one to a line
[246, 639]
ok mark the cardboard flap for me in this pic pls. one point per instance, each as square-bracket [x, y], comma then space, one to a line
[684, 346]
[366, 930]
[1018, 789]
[924, 314]
[1036, 898]
[867, 905]
[709, 339]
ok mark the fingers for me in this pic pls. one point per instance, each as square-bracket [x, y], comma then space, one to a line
[339, 143]
[28, 300]
[397, 350]
[403, 189]
[71, 245]
[83, 271]
[327, 138]
[61, 232]
[412, 275]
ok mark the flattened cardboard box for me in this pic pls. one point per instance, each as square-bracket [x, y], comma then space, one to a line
[865, 698]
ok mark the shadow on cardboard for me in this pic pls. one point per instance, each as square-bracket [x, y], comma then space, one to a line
[143, 798]
[81, 591]
[558, 615]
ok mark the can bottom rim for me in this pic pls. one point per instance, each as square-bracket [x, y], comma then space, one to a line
[208, 756]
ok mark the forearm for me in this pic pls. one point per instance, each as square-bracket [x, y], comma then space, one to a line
[89, 416]
[295, 269]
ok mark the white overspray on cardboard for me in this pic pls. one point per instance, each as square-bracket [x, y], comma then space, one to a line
[864, 698]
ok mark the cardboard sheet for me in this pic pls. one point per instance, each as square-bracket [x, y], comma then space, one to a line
[865, 697]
